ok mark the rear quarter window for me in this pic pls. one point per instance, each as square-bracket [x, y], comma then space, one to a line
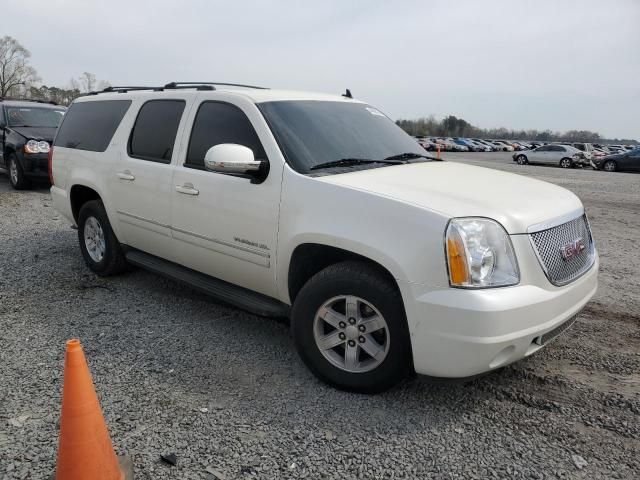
[91, 125]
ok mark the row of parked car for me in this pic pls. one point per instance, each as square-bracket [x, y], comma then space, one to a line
[566, 155]
[459, 144]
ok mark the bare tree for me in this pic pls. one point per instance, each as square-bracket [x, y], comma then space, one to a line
[15, 70]
[88, 81]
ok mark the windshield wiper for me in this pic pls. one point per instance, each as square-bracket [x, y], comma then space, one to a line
[409, 156]
[345, 162]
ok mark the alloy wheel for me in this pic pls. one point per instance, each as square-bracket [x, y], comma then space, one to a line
[13, 171]
[94, 239]
[351, 334]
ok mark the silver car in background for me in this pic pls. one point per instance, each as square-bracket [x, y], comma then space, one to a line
[563, 155]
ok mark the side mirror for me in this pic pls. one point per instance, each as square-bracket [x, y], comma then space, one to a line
[234, 159]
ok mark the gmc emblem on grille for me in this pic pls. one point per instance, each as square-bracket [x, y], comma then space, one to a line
[572, 249]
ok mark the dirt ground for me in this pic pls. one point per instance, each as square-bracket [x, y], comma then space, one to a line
[225, 390]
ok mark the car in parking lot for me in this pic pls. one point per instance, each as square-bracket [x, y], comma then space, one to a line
[586, 148]
[320, 208]
[504, 146]
[563, 155]
[26, 132]
[627, 161]
[493, 147]
[427, 144]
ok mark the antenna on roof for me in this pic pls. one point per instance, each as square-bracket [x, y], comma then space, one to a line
[347, 94]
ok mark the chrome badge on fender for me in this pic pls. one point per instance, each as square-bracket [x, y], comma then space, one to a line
[572, 249]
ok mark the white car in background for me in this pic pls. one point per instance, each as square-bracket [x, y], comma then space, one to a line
[320, 208]
[564, 156]
[505, 147]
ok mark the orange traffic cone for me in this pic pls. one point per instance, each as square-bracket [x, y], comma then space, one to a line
[84, 450]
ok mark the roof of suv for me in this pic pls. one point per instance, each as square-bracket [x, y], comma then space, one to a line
[255, 95]
[29, 103]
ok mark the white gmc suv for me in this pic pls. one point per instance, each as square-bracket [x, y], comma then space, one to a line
[319, 208]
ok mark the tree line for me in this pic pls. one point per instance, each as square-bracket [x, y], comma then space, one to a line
[452, 126]
[20, 80]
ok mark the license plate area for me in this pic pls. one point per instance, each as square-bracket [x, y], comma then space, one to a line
[552, 334]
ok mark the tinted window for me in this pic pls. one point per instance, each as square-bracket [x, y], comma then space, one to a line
[155, 130]
[218, 123]
[315, 132]
[91, 125]
[543, 148]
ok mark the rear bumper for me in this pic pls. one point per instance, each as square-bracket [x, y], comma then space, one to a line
[460, 333]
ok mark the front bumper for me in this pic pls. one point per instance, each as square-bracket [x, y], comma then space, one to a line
[35, 165]
[457, 333]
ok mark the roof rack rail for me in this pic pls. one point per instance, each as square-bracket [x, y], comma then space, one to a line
[124, 89]
[195, 84]
[173, 86]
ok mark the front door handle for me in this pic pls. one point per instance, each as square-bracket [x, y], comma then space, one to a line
[187, 189]
[126, 175]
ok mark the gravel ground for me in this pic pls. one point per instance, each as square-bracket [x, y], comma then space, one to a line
[225, 390]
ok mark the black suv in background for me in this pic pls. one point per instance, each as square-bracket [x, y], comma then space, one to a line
[27, 129]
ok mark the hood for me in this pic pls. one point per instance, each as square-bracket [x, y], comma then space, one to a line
[36, 133]
[459, 190]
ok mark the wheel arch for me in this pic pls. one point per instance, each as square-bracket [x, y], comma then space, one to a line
[307, 259]
[79, 195]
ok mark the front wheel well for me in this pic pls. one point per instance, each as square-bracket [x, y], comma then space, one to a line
[310, 258]
[80, 195]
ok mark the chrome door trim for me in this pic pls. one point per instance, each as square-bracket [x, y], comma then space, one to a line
[137, 217]
[222, 242]
[254, 251]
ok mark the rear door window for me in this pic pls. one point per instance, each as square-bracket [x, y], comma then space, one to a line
[154, 132]
[217, 123]
[91, 125]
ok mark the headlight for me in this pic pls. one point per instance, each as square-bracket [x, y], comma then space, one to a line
[480, 254]
[31, 147]
[34, 146]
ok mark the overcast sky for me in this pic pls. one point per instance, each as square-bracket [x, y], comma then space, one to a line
[519, 64]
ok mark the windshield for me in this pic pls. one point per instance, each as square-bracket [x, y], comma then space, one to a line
[34, 117]
[312, 132]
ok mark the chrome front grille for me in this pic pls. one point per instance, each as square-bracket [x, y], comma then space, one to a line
[560, 250]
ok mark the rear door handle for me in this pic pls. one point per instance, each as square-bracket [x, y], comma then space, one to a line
[126, 175]
[187, 189]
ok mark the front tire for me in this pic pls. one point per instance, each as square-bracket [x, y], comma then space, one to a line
[17, 177]
[610, 166]
[99, 246]
[566, 163]
[350, 328]
[522, 160]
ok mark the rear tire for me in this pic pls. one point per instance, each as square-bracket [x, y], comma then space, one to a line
[350, 328]
[566, 163]
[522, 160]
[610, 166]
[99, 246]
[17, 177]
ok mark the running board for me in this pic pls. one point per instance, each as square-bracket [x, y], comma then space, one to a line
[226, 292]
